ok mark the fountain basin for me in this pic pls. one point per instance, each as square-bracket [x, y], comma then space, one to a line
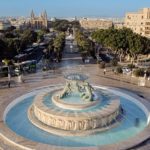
[123, 136]
[76, 122]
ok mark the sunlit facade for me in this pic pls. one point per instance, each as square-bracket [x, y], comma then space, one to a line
[139, 22]
[39, 22]
[95, 23]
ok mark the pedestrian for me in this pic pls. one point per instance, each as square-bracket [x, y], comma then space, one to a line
[8, 84]
[104, 71]
[83, 59]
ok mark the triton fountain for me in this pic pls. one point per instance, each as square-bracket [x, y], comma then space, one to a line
[77, 122]
[78, 114]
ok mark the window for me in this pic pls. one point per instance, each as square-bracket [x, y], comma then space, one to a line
[147, 32]
[147, 23]
[147, 28]
[129, 17]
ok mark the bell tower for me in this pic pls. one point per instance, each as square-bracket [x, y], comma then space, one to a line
[45, 15]
[32, 15]
[38, 22]
[45, 19]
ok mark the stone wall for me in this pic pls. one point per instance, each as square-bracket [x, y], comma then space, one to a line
[76, 121]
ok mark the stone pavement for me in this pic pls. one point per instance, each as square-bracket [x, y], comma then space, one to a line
[75, 64]
[96, 77]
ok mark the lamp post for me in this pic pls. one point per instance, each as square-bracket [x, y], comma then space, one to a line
[9, 76]
[6, 62]
[145, 74]
[20, 80]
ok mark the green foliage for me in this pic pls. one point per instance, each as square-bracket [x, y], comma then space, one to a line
[131, 66]
[119, 70]
[58, 45]
[85, 45]
[63, 25]
[139, 72]
[9, 35]
[10, 47]
[3, 47]
[41, 33]
[14, 41]
[102, 65]
[59, 41]
[122, 41]
[114, 62]
[29, 35]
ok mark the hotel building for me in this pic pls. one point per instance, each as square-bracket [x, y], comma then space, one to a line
[139, 22]
[4, 25]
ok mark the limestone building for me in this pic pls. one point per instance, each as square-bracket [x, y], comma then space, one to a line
[118, 25]
[4, 25]
[95, 23]
[139, 22]
[39, 22]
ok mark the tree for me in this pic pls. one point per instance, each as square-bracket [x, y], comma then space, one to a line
[62, 25]
[11, 48]
[85, 45]
[58, 45]
[136, 46]
[3, 48]
[41, 33]
[123, 42]
[29, 35]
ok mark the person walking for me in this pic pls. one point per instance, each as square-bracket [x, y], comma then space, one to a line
[104, 71]
[9, 77]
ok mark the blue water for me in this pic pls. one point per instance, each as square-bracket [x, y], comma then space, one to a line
[17, 120]
[104, 100]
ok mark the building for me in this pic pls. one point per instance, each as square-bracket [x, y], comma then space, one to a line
[4, 25]
[118, 25]
[19, 23]
[95, 23]
[38, 22]
[139, 22]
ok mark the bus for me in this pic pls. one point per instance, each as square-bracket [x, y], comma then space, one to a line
[25, 67]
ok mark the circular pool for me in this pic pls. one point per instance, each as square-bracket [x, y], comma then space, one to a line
[133, 120]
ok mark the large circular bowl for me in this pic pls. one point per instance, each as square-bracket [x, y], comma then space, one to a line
[75, 122]
[133, 129]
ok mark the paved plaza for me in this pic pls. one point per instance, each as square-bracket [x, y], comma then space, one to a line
[53, 77]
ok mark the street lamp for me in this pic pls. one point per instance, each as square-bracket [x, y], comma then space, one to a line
[145, 74]
[8, 70]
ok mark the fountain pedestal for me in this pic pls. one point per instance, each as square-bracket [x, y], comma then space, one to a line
[75, 121]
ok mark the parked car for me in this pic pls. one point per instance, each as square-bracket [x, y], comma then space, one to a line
[126, 70]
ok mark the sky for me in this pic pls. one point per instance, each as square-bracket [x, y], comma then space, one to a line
[72, 8]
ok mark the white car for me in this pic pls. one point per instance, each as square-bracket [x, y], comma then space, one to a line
[126, 70]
